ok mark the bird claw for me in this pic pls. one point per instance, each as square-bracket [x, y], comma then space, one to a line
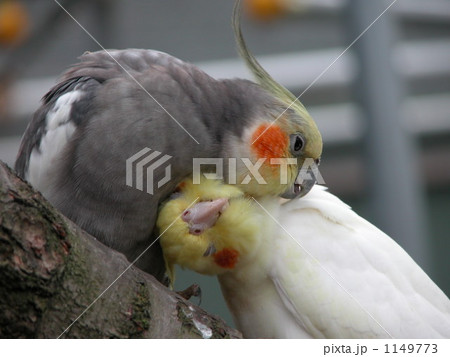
[193, 290]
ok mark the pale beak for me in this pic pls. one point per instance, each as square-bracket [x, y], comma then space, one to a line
[204, 215]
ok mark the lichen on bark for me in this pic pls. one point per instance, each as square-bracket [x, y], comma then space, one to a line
[56, 280]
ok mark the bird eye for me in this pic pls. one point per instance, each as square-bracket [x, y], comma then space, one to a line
[297, 143]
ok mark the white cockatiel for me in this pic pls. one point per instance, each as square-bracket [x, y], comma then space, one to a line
[306, 268]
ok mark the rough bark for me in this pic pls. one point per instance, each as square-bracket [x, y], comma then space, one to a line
[51, 271]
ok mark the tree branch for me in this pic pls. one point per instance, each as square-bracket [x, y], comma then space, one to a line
[51, 271]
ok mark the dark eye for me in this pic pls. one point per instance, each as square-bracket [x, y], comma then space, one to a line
[297, 143]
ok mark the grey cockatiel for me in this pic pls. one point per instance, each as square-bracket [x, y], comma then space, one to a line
[112, 104]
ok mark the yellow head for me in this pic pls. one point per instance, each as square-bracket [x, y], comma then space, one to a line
[288, 132]
[276, 151]
[208, 241]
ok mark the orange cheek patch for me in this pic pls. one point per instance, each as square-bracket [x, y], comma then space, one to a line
[226, 258]
[271, 142]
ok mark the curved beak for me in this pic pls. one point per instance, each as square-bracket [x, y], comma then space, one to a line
[303, 184]
[204, 215]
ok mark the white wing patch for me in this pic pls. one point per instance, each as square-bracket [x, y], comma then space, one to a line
[58, 131]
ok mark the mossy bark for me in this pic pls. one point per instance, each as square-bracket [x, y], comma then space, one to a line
[58, 281]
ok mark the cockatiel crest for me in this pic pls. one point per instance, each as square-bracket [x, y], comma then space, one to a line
[288, 131]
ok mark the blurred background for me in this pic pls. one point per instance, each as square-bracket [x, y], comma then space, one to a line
[382, 104]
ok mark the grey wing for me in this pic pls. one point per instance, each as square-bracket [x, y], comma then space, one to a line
[93, 69]
[99, 115]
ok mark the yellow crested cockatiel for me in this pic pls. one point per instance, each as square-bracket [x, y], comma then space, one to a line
[306, 268]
